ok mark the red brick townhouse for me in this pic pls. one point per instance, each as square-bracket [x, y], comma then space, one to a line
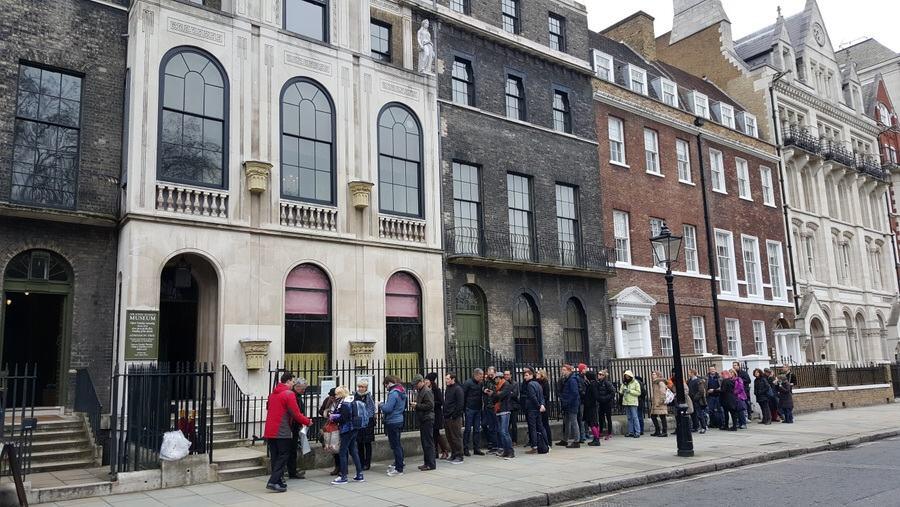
[676, 149]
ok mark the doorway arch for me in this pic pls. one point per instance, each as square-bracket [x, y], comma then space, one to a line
[37, 320]
[189, 310]
[817, 331]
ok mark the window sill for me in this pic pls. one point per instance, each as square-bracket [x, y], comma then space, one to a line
[748, 199]
[770, 204]
[658, 175]
[723, 192]
[620, 164]
[686, 182]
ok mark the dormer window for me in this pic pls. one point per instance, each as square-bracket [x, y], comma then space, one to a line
[750, 124]
[637, 78]
[701, 104]
[726, 115]
[603, 66]
[668, 92]
[883, 115]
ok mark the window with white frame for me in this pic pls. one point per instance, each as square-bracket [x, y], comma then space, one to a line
[665, 335]
[656, 225]
[651, 151]
[717, 169]
[733, 334]
[768, 191]
[698, 330]
[726, 113]
[752, 273]
[638, 79]
[683, 156]
[603, 66]
[759, 337]
[669, 92]
[883, 115]
[776, 269]
[750, 125]
[743, 177]
[725, 258]
[701, 105]
[623, 236]
[616, 140]
[690, 249]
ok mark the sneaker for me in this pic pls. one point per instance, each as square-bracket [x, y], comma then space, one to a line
[456, 461]
[394, 473]
[390, 469]
[562, 443]
[510, 455]
[594, 443]
[339, 480]
[478, 452]
[359, 478]
[531, 451]
[574, 445]
[466, 453]
[425, 468]
[278, 488]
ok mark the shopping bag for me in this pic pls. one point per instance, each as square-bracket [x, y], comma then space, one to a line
[175, 446]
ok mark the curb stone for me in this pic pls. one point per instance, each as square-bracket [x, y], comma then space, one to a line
[583, 490]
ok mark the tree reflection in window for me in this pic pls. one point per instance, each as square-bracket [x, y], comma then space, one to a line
[39, 265]
[307, 124]
[45, 152]
[399, 162]
[526, 330]
[193, 129]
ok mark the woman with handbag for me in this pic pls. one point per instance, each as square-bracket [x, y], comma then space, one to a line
[346, 416]
[366, 436]
[659, 408]
[328, 406]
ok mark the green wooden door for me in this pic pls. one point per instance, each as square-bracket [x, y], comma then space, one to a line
[469, 319]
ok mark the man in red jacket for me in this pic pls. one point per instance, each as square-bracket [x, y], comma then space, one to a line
[281, 408]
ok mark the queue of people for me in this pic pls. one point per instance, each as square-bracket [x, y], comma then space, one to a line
[479, 416]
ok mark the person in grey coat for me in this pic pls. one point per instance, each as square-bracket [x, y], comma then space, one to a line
[424, 407]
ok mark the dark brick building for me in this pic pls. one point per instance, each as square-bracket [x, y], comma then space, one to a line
[714, 183]
[62, 75]
[526, 264]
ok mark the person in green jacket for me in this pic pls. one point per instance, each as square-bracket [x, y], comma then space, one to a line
[631, 391]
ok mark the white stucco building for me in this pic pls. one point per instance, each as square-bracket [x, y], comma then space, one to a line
[280, 183]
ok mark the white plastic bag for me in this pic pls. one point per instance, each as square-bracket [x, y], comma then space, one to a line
[305, 448]
[174, 446]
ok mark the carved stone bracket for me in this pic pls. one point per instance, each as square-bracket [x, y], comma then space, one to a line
[361, 351]
[255, 352]
[360, 193]
[257, 175]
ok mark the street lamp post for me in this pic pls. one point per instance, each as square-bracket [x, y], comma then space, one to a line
[666, 247]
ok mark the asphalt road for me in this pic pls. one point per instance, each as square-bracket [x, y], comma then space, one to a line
[866, 475]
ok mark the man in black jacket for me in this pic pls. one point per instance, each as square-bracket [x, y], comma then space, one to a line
[532, 402]
[454, 406]
[424, 407]
[514, 406]
[474, 403]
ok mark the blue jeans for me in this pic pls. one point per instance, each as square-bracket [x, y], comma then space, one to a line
[489, 420]
[473, 429]
[503, 432]
[787, 415]
[634, 427]
[393, 434]
[349, 446]
[535, 429]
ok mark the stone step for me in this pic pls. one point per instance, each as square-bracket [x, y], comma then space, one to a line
[51, 425]
[242, 473]
[52, 466]
[56, 435]
[221, 410]
[225, 435]
[240, 462]
[77, 453]
[229, 443]
[62, 443]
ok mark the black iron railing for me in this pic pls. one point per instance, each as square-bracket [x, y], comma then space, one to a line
[869, 165]
[800, 137]
[150, 400]
[87, 401]
[248, 412]
[502, 245]
[18, 390]
[837, 152]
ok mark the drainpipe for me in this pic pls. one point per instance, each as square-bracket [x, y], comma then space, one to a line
[710, 251]
[784, 206]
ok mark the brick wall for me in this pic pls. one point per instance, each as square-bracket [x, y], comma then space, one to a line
[846, 397]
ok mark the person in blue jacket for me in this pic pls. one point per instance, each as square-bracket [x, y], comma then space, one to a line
[393, 409]
[570, 402]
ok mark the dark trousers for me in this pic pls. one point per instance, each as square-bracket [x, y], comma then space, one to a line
[365, 452]
[473, 429]
[393, 434]
[698, 418]
[656, 422]
[514, 426]
[426, 436]
[715, 411]
[788, 415]
[453, 429]
[606, 415]
[535, 429]
[773, 407]
[734, 414]
[545, 420]
[640, 410]
[349, 447]
[280, 450]
[489, 421]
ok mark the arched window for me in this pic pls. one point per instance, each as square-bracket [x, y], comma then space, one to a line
[38, 265]
[307, 142]
[469, 320]
[193, 126]
[399, 162]
[526, 330]
[575, 333]
[307, 318]
[403, 316]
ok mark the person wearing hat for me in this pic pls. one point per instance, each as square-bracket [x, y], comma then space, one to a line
[631, 392]
[424, 407]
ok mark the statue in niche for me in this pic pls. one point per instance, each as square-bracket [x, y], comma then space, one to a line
[426, 49]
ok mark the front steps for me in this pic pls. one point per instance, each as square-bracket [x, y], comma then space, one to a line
[60, 442]
[235, 456]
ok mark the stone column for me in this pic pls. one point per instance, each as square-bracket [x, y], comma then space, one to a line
[618, 339]
[645, 336]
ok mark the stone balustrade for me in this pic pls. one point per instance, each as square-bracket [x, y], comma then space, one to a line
[402, 229]
[191, 200]
[308, 216]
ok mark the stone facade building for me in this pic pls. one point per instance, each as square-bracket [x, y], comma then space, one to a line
[873, 59]
[282, 190]
[526, 264]
[834, 188]
[62, 72]
[677, 150]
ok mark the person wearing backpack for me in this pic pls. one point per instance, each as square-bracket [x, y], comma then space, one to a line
[658, 407]
[351, 417]
[392, 411]
[367, 434]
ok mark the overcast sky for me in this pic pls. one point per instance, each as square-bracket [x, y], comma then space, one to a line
[845, 20]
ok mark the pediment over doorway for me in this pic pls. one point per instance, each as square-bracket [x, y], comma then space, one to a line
[632, 297]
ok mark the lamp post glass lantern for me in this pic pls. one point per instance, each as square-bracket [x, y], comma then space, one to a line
[666, 247]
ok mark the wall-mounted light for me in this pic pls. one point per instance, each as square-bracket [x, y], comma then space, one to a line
[8, 302]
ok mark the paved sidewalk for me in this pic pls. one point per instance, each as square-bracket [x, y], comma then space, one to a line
[542, 480]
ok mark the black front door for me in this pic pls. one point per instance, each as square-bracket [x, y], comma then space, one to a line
[33, 334]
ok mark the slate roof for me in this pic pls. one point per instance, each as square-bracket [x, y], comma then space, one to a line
[687, 82]
[761, 41]
[865, 54]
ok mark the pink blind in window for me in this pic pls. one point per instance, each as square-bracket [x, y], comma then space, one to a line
[311, 301]
[402, 298]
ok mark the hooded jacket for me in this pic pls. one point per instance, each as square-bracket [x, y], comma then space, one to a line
[533, 396]
[606, 393]
[631, 393]
[570, 397]
[395, 404]
[281, 409]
